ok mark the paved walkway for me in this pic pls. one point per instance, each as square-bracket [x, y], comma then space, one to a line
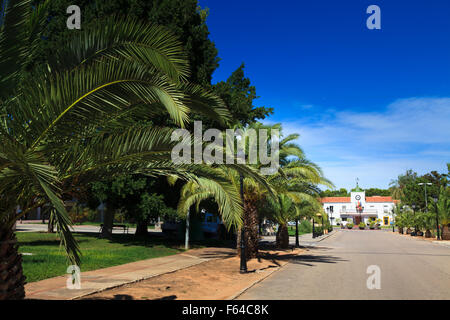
[101, 279]
[336, 269]
[38, 227]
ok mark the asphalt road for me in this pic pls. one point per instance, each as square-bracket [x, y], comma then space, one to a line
[336, 268]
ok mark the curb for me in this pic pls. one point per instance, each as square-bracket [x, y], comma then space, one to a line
[237, 295]
[328, 235]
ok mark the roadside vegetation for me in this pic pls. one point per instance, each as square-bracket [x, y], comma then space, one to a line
[421, 215]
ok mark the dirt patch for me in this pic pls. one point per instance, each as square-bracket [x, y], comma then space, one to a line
[217, 279]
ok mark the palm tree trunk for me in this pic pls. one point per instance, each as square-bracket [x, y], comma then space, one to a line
[251, 231]
[282, 238]
[12, 280]
[108, 223]
[445, 232]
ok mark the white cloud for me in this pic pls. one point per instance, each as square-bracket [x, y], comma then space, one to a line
[411, 133]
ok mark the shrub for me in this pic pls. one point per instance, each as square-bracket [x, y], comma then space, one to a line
[372, 225]
[318, 229]
[305, 226]
[349, 225]
[362, 225]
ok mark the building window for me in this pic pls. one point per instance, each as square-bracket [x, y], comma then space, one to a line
[386, 221]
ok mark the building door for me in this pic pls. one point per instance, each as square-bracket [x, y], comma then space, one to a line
[357, 220]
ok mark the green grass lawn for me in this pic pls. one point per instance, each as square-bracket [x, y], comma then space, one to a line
[49, 260]
[291, 231]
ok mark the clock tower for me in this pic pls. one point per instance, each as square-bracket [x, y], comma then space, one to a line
[358, 196]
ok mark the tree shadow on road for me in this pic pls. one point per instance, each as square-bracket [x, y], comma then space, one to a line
[310, 260]
[304, 259]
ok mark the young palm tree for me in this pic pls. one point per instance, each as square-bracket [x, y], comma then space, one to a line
[75, 117]
[283, 210]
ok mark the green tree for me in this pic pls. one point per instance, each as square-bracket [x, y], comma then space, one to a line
[238, 94]
[183, 17]
[377, 192]
[342, 192]
[134, 195]
[397, 185]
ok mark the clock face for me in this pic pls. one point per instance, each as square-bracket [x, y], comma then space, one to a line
[358, 197]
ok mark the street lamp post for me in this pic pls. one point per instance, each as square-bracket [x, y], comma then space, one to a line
[437, 218]
[313, 230]
[393, 221]
[321, 217]
[322, 227]
[297, 244]
[425, 184]
[331, 217]
[414, 214]
[328, 215]
[243, 268]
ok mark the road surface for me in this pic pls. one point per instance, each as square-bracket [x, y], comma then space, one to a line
[336, 268]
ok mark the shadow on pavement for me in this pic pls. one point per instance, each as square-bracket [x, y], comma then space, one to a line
[308, 260]
[304, 259]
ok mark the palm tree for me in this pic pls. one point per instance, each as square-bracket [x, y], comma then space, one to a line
[283, 210]
[300, 186]
[297, 178]
[75, 117]
[443, 208]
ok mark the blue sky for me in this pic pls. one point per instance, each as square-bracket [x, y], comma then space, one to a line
[367, 103]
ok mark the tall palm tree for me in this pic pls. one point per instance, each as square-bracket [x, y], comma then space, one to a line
[296, 178]
[75, 117]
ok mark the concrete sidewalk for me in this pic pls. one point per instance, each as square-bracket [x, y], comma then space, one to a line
[102, 279]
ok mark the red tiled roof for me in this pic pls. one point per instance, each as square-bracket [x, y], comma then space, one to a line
[379, 199]
[335, 199]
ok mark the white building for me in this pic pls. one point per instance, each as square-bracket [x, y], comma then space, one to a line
[358, 207]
